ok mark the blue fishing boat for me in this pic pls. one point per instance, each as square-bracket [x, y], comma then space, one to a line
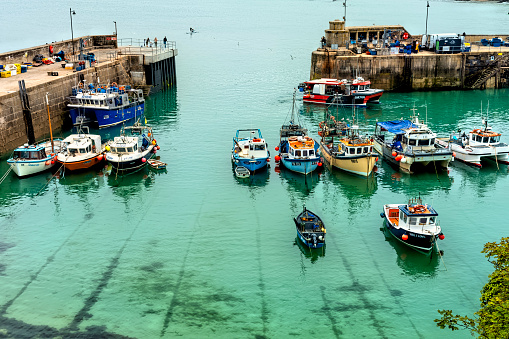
[414, 224]
[250, 150]
[105, 105]
[297, 151]
[310, 229]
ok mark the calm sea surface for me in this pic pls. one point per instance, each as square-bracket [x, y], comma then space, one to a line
[194, 252]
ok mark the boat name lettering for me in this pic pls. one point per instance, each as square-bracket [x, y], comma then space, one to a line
[295, 163]
[354, 160]
[417, 235]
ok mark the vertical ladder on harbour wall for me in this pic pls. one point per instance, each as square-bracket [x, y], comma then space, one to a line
[27, 114]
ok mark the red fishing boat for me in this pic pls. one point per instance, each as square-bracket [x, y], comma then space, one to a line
[356, 92]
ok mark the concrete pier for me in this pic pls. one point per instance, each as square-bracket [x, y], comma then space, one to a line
[150, 68]
[482, 67]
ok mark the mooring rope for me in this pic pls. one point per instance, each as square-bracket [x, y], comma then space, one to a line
[5, 175]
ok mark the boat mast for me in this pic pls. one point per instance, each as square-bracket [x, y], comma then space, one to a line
[49, 121]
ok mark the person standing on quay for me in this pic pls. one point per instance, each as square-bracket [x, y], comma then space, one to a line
[155, 42]
[165, 41]
[148, 41]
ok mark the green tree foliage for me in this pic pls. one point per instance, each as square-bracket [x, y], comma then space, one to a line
[492, 319]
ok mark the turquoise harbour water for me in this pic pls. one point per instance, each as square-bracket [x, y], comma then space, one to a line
[197, 253]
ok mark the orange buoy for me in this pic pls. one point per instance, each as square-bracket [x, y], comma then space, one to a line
[404, 237]
[394, 153]
[320, 164]
[399, 157]
[454, 154]
[277, 158]
[441, 237]
[277, 148]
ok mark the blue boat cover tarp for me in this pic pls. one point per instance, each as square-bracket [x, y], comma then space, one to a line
[396, 126]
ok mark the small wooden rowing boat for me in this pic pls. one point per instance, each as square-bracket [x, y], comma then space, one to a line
[156, 164]
[241, 172]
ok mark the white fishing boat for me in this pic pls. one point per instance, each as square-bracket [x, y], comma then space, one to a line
[478, 144]
[81, 150]
[28, 159]
[410, 145]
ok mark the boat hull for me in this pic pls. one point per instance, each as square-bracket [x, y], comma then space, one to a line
[362, 164]
[420, 242]
[309, 243]
[474, 155]
[415, 161]
[107, 117]
[28, 168]
[302, 166]
[130, 162]
[83, 164]
[251, 164]
[357, 99]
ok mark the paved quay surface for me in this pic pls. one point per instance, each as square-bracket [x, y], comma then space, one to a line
[39, 75]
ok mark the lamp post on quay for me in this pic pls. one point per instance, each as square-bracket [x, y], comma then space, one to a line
[71, 13]
[116, 37]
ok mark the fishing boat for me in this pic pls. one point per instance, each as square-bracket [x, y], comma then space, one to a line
[343, 147]
[250, 151]
[105, 105]
[356, 92]
[157, 164]
[297, 151]
[241, 172]
[81, 151]
[410, 145]
[34, 157]
[131, 150]
[28, 159]
[310, 229]
[480, 143]
[414, 224]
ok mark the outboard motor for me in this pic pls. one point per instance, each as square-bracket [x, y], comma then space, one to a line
[314, 239]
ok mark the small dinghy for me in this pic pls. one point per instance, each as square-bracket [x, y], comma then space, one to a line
[310, 229]
[242, 172]
[156, 164]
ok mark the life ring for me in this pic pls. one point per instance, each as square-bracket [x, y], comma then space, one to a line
[50, 49]
[114, 84]
[80, 85]
[405, 35]
[257, 140]
[419, 208]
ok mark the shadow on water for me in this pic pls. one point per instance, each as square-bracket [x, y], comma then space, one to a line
[482, 180]
[413, 263]
[412, 184]
[309, 253]
[130, 181]
[296, 183]
[161, 108]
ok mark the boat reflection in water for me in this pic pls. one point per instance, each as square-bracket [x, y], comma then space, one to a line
[413, 184]
[355, 187]
[310, 253]
[302, 185]
[412, 262]
[132, 180]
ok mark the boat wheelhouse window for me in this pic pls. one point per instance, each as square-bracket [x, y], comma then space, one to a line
[423, 221]
[431, 220]
[370, 149]
[405, 218]
[478, 138]
[297, 153]
[494, 139]
[359, 150]
[259, 147]
[34, 154]
[413, 221]
[432, 141]
[304, 153]
[412, 142]
[291, 151]
[366, 149]
[135, 148]
[121, 149]
[73, 150]
[129, 149]
[401, 215]
[82, 150]
[311, 152]
[485, 140]
[351, 150]
[424, 142]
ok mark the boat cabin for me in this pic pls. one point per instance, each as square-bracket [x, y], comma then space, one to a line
[124, 145]
[348, 148]
[407, 135]
[479, 137]
[301, 147]
[105, 99]
[81, 144]
[31, 152]
[414, 217]
[326, 86]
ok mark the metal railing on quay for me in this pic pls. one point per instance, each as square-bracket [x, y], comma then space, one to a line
[142, 43]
